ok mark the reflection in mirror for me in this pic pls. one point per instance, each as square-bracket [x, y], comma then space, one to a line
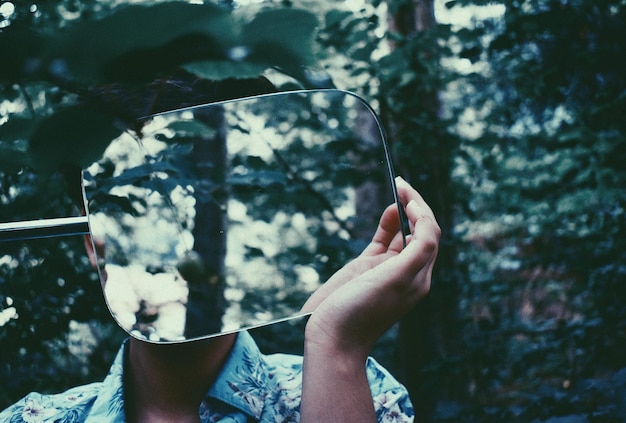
[228, 216]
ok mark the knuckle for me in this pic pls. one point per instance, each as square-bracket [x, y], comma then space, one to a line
[433, 235]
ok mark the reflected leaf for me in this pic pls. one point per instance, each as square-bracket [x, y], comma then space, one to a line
[190, 128]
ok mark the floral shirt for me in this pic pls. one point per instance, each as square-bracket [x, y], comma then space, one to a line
[251, 387]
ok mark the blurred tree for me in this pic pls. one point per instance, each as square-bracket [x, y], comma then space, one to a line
[546, 208]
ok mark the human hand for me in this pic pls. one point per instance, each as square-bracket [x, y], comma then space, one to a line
[368, 295]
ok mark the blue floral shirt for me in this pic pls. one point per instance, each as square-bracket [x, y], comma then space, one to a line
[251, 387]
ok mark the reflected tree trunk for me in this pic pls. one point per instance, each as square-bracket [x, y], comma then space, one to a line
[374, 193]
[205, 304]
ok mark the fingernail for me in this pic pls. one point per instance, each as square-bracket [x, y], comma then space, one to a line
[413, 207]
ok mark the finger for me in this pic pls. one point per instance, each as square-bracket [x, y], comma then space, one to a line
[406, 193]
[404, 278]
[387, 231]
[425, 232]
[421, 250]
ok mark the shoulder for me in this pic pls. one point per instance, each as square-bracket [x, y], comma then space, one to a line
[73, 405]
[83, 403]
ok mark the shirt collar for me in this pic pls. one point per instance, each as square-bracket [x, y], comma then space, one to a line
[242, 382]
[110, 400]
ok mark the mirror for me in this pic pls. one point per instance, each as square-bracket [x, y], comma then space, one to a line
[226, 216]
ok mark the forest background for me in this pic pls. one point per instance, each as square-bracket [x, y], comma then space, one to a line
[507, 115]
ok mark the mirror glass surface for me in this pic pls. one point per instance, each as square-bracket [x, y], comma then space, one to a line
[220, 217]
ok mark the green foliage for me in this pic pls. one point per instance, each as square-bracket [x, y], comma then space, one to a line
[72, 136]
[75, 75]
[534, 185]
[138, 43]
[546, 224]
[45, 285]
[537, 192]
[108, 64]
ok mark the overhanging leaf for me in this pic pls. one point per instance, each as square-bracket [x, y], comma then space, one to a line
[218, 70]
[12, 159]
[89, 50]
[17, 129]
[73, 136]
[281, 34]
[22, 50]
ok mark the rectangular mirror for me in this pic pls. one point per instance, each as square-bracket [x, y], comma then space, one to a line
[227, 216]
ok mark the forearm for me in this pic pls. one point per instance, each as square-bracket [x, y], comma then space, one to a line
[335, 387]
[356, 306]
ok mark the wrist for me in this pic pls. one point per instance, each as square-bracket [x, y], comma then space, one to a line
[335, 385]
[322, 344]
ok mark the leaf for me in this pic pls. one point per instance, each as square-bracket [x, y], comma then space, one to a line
[282, 37]
[137, 43]
[335, 17]
[141, 36]
[258, 179]
[146, 63]
[72, 136]
[112, 204]
[22, 50]
[363, 53]
[12, 159]
[191, 128]
[223, 69]
[17, 129]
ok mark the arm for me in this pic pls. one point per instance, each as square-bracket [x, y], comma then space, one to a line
[357, 305]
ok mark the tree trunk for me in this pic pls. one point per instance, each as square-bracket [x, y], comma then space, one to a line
[430, 338]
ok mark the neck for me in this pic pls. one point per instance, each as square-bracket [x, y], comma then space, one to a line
[168, 382]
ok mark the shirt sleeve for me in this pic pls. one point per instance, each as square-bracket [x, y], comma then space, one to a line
[12, 412]
[391, 399]
[72, 405]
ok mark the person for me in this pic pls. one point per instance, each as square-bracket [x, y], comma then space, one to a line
[227, 379]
